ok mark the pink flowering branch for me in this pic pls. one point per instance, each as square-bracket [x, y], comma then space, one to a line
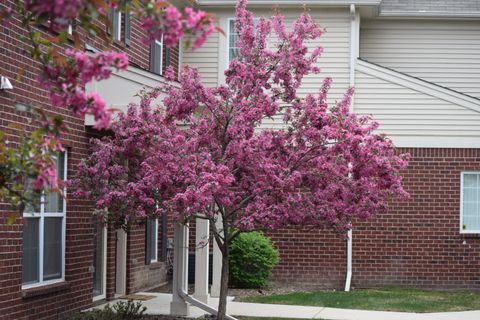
[65, 75]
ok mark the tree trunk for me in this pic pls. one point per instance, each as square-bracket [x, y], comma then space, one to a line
[222, 303]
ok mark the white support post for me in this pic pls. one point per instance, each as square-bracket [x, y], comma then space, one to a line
[178, 306]
[217, 263]
[201, 259]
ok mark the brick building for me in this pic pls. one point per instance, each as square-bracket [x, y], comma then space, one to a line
[416, 70]
[57, 261]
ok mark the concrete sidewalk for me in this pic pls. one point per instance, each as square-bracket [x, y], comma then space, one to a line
[161, 305]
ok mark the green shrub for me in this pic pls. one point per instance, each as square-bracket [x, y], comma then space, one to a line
[120, 311]
[252, 258]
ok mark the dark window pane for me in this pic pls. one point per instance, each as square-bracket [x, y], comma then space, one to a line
[30, 261]
[153, 236]
[52, 249]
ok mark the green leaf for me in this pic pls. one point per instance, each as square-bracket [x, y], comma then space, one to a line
[11, 219]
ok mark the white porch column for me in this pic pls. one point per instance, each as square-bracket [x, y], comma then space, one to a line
[178, 306]
[217, 263]
[201, 259]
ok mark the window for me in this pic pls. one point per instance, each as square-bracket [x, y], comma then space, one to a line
[156, 56]
[470, 202]
[117, 20]
[44, 236]
[151, 241]
[233, 50]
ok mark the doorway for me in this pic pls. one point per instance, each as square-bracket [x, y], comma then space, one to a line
[121, 262]
[99, 262]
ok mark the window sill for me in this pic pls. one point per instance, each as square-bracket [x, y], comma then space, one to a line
[46, 289]
[155, 265]
[470, 235]
[119, 43]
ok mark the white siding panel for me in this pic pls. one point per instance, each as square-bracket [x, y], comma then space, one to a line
[404, 112]
[445, 52]
[334, 61]
[205, 59]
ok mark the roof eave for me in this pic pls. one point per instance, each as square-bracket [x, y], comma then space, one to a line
[428, 14]
[311, 3]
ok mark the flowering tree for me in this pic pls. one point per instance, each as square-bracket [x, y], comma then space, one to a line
[327, 166]
[64, 75]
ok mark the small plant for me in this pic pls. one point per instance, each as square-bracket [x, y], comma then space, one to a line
[252, 258]
[120, 311]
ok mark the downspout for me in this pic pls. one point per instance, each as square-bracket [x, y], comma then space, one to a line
[348, 279]
[353, 58]
[181, 276]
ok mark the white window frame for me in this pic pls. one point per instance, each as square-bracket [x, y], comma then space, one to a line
[462, 174]
[255, 21]
[118, 29]
[160, 44]
[41, 216]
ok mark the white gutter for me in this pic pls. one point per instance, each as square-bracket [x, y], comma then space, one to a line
[354, 45]
[348, 279]
[428, 14]
[296, 3]
[353, 49]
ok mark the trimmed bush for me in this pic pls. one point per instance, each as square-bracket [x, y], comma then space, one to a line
[252, 258]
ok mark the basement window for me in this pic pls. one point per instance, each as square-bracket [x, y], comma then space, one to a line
[470, 202]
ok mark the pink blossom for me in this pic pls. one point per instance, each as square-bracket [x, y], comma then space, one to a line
[66, 82]
[328, 166]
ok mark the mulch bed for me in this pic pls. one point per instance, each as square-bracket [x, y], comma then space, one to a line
[239, 294]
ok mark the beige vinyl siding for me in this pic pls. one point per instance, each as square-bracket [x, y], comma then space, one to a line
[205, 59]
[445, 52]
[334, 61]
[404, 112]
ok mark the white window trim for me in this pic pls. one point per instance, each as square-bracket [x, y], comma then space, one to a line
[118, 30]
[462, 174]
[229, 20]
[41, 216]
[155, 258]
[255, 21]
[160, 43]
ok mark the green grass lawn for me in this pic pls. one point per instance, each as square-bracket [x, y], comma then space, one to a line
[387, 299]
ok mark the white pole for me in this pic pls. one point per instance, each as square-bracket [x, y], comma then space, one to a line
[217, 263]
[201, 259]
[178, 306]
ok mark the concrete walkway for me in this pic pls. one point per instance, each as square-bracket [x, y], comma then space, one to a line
[161, 305]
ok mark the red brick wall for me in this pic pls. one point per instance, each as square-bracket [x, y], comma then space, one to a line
[141, 276]
[76, 292]
[417, 243]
